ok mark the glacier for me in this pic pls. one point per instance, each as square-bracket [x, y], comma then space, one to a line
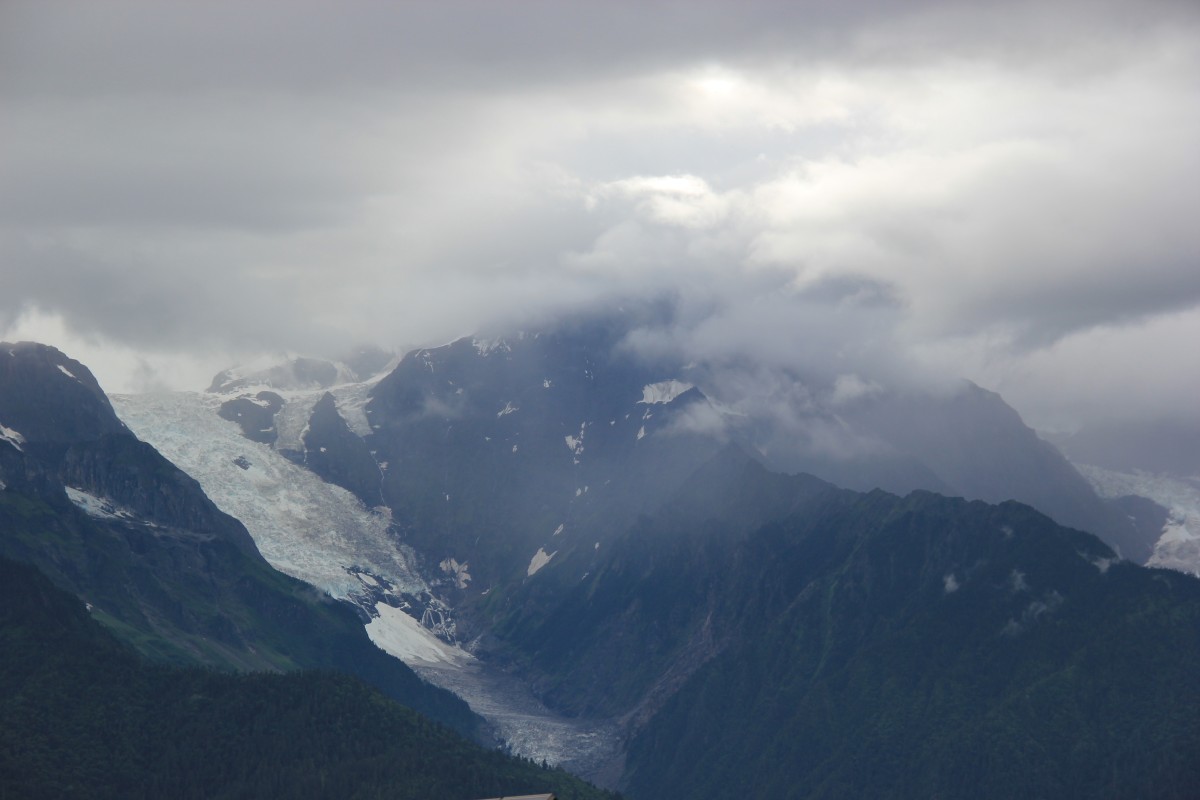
[323, 535]
[1178, 545]
[303, 526]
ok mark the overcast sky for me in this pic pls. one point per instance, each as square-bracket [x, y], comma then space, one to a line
[1009, 192]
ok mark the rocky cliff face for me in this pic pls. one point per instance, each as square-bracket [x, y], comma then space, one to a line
[70, 431]
[339, 456]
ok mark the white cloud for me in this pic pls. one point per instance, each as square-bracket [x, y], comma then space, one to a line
[887, 191]
[685, 201]
[119, 368]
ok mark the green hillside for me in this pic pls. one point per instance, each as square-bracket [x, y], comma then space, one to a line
[83, 716]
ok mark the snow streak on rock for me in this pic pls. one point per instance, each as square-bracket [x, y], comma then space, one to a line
[12, 437]
[99, 507]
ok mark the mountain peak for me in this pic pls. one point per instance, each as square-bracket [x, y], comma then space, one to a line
[47, 396]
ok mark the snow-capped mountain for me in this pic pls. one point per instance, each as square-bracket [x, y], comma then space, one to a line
[470, 481]
[496, 456]
[605, 540]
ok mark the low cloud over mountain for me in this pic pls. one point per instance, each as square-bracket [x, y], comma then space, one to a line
[891, 191]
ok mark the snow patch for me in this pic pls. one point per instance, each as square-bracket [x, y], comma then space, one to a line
[641, 433]
[546, 384]
[12, 437]
[575, 443]
[508, 409]
[663, 392]
[950, 583]
[98, 507]
[66, 372]
[459, 572]
[559, 529]
[539, 560]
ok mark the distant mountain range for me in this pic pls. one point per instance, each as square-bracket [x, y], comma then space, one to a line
[567, 427]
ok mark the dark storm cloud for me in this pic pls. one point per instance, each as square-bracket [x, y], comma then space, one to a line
[306, 48]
